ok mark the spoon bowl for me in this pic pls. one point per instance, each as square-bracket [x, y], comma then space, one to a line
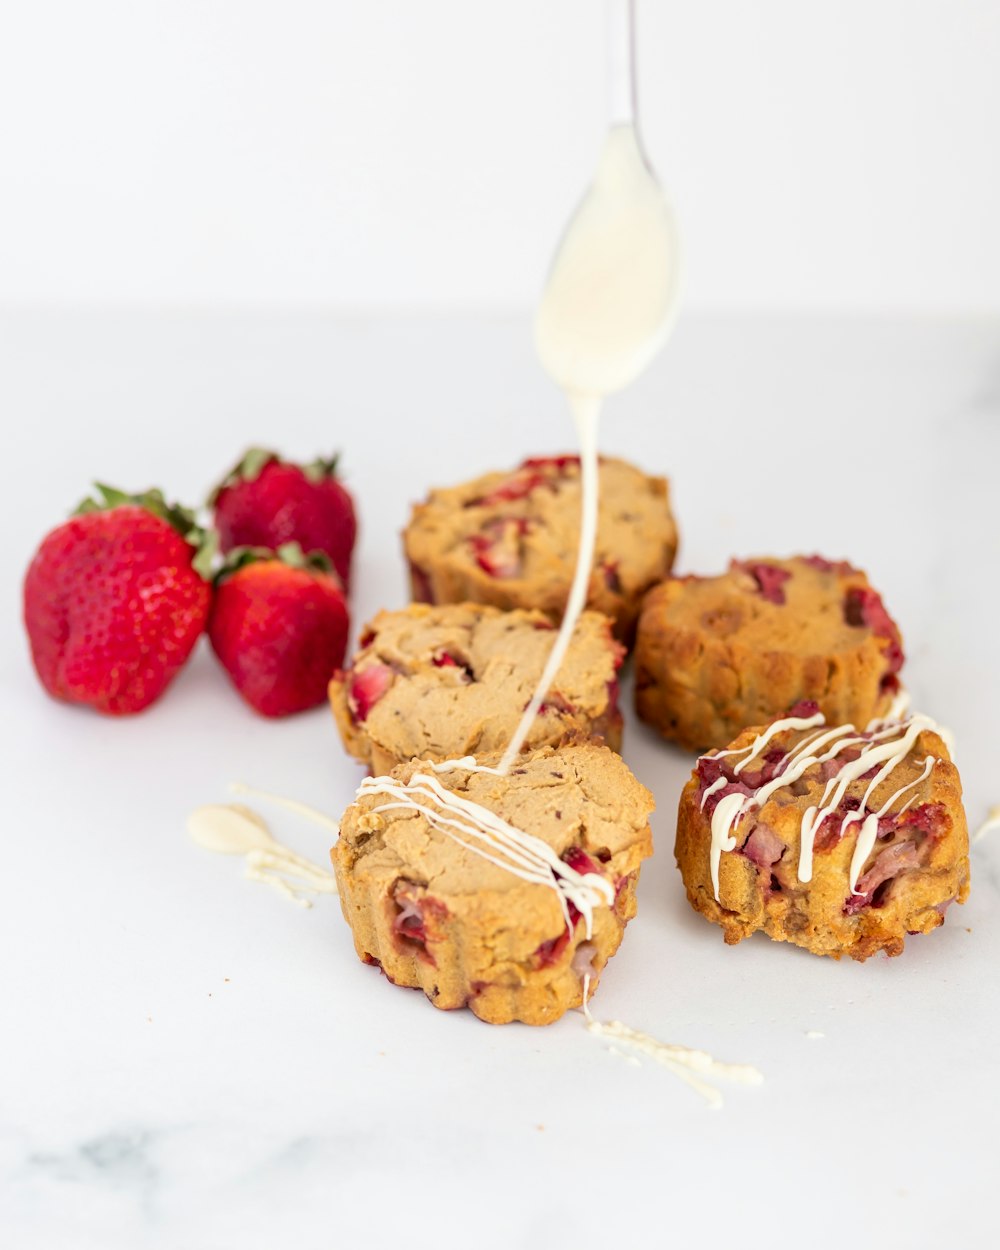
[611, 297]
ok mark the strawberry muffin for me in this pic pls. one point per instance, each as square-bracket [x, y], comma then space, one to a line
[842, 842]
[716, 654]
[510, 539]
[503, 894]
[443, 682]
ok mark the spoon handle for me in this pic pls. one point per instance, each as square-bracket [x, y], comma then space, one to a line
[621, 62]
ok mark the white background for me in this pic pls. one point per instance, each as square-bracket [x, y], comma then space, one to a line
[395, 152]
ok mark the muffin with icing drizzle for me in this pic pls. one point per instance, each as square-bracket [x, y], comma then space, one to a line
[447, 681]
[715, 655]
[510, 539]
[504, 894]
[840, 841]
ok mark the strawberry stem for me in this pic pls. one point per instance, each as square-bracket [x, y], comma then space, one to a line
[290, 554]
[205, 542]
[247, 469]
[316, 470]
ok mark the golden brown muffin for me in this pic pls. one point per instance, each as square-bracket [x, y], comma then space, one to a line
[510, 539]
[839, 841]
[717, 654]
[432, 912]
[443, 682]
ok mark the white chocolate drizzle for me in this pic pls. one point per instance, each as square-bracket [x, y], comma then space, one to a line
[232, 829]
[683, 1061]
[991, 823]
[869, 825]
[885, 742]
[489, 836]
[467, 763]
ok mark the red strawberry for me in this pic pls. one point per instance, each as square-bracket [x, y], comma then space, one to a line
[279, 626]
[266, 502]
[114, 601]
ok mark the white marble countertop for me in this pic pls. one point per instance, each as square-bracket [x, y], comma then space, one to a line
[189, 1061]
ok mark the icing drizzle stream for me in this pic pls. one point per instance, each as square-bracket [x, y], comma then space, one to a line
[884, 746]
[492, 838]
[586, 410]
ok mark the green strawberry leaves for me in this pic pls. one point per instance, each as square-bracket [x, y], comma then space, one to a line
[290, 554]
[253, 462]
[316, 470]
[204, 541]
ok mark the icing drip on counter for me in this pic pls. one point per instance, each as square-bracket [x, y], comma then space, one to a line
[683, 1061]
[989, 825]
[885, 742]
[232, 829]
[489, 836]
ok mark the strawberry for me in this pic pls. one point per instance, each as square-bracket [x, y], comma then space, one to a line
[497, 549]
[266, 501]
[279, 626]
[115, 599]
[366, 688]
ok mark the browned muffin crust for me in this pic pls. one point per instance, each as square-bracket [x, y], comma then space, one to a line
[510, 539]
[435, 915]
[716, 654]
[918, 865]
[448, 681]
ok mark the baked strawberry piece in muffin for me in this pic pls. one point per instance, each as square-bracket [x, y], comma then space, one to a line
[510, 539]
[838, 840]
[504, 894]
[717, 654]
[443, 682]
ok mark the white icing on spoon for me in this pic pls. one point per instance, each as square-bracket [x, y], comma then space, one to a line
[608, 307]
[611, 296]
